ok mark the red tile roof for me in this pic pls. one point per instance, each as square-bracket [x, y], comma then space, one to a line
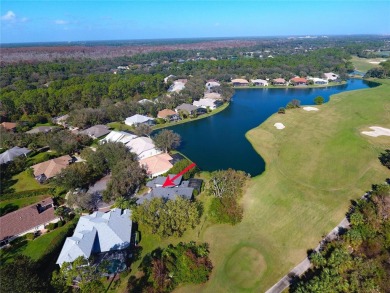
[165, 113]
[9, 125]
[25, 219]
[299, 80]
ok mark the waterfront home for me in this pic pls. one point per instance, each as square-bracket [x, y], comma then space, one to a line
[259, 82]
[330, 76]
[118, 136]
[298, 81]
[41, 129]
[178, 85]
[240, 82]
[49, 169]
[207, 103]
[319, 81]
[211, 84]
[139, 119]
[9, 126]
[96, 131]
[157, 165]
[97, 233]
[214, 96]
[187, 108]
[279, 81]
[30, 219]
[143, 147]
[168, 115]
[11, 154]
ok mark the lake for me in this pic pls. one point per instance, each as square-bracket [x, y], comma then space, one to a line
[218, 142]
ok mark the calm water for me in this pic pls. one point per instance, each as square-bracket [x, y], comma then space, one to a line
[218, 142]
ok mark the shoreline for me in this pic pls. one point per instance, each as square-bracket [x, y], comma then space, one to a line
[290, 87]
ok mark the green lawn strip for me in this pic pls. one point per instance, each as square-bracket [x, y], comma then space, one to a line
[314, 168]
[39, 247]
[25, 182]
[291, 87]
[41, 157]
[22, 202]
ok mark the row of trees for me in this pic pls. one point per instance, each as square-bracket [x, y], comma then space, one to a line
[358, 260]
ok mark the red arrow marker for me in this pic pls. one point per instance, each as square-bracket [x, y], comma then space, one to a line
[171, 181]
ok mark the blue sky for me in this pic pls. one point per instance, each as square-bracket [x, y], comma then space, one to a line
[72, 20]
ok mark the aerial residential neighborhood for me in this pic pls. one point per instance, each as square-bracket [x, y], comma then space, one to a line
[155, 147]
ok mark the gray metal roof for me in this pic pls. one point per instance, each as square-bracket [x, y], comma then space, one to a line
[96, 131]
[159, 181]
[98, 232]
[11, 154]
[41, 129]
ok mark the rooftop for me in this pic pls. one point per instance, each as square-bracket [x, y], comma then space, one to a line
[52, 167]
[11, 154]
[96, 131]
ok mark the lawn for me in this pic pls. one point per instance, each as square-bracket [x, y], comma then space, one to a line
[24, 181]
[40, 246]
[22, 202]
[314, 168]
[363, 64]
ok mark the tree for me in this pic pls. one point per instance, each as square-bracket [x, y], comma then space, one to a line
[126, 177]
[385, 158]
[171, 218]
[181, 165]
[319, 100]
[81, 200]
[21, 276]
[75, 176]
[63, 213]
[282, 110]
[167, 140]
[293, 104]
[143, 130]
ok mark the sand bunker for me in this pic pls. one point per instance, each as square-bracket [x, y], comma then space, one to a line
[310, 108]
[377, 131]
[279, 125]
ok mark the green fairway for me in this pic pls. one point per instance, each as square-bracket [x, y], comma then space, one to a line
[314, 168]
[363, 64]
[24, 181]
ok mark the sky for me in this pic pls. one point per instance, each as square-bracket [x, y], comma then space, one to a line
[78, 20]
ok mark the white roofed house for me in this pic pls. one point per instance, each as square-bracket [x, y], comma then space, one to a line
[178, 85]
[207, 103]
[118, 136]
[97, 233]
[211, 84]
[317, 80]
[259, 82]
[330, 76]
[143, 147]
[139, 119]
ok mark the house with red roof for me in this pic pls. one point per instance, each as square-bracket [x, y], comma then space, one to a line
[297, 81]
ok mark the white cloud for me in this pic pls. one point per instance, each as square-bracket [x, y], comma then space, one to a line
[61, 22]
[9, 16]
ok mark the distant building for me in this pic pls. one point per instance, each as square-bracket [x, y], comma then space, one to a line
[118, 136]
[166, 114]
[330, 76]
[178, 85]
[139, 119]
[9, 126]
[30, 219]
[61, 120]
[11, 154]
[211, 84]
[97, 233]
[319, 81]
[207, 103]
[157, 165]
[259, 82]
[96, 131]
[49, 169]
[41, 129]
[279, 81]
[143, 147]
[297, 81]
[240, 82]
[190, 109]
[214, 96]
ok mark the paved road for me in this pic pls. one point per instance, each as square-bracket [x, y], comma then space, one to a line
[305, 264]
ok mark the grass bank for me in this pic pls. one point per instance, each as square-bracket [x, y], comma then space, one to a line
[314, 168]
[292, 87]
[363, 64]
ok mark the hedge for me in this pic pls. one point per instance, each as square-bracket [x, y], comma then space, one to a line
[27, 193]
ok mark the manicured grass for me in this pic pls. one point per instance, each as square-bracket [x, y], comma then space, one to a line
[314, 168]
[120, 126]
[22, 202]
[363, 64]
[41, 157]
[23, 182]
[39, 247]
[292, 87]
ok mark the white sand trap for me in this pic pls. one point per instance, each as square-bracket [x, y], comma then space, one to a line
[377, 131]
[310, 108]
[279, 125]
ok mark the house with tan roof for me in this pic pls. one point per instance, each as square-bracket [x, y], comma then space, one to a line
[9, 126]
[240, 82]
[96, 131]
[165, 114]
[207, 103]
[157, 165]
[279, 81]
[214, 96]
[178, 85]
[49, 169]
[29, 219]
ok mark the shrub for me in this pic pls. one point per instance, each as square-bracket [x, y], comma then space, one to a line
[60, 224]
[319, 100]
[51, 226]
[282, 110]
[30, 236]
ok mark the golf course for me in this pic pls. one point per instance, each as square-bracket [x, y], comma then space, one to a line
[315, 166]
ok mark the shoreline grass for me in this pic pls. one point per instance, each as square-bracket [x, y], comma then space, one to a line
[291, 87]
[314, 168]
